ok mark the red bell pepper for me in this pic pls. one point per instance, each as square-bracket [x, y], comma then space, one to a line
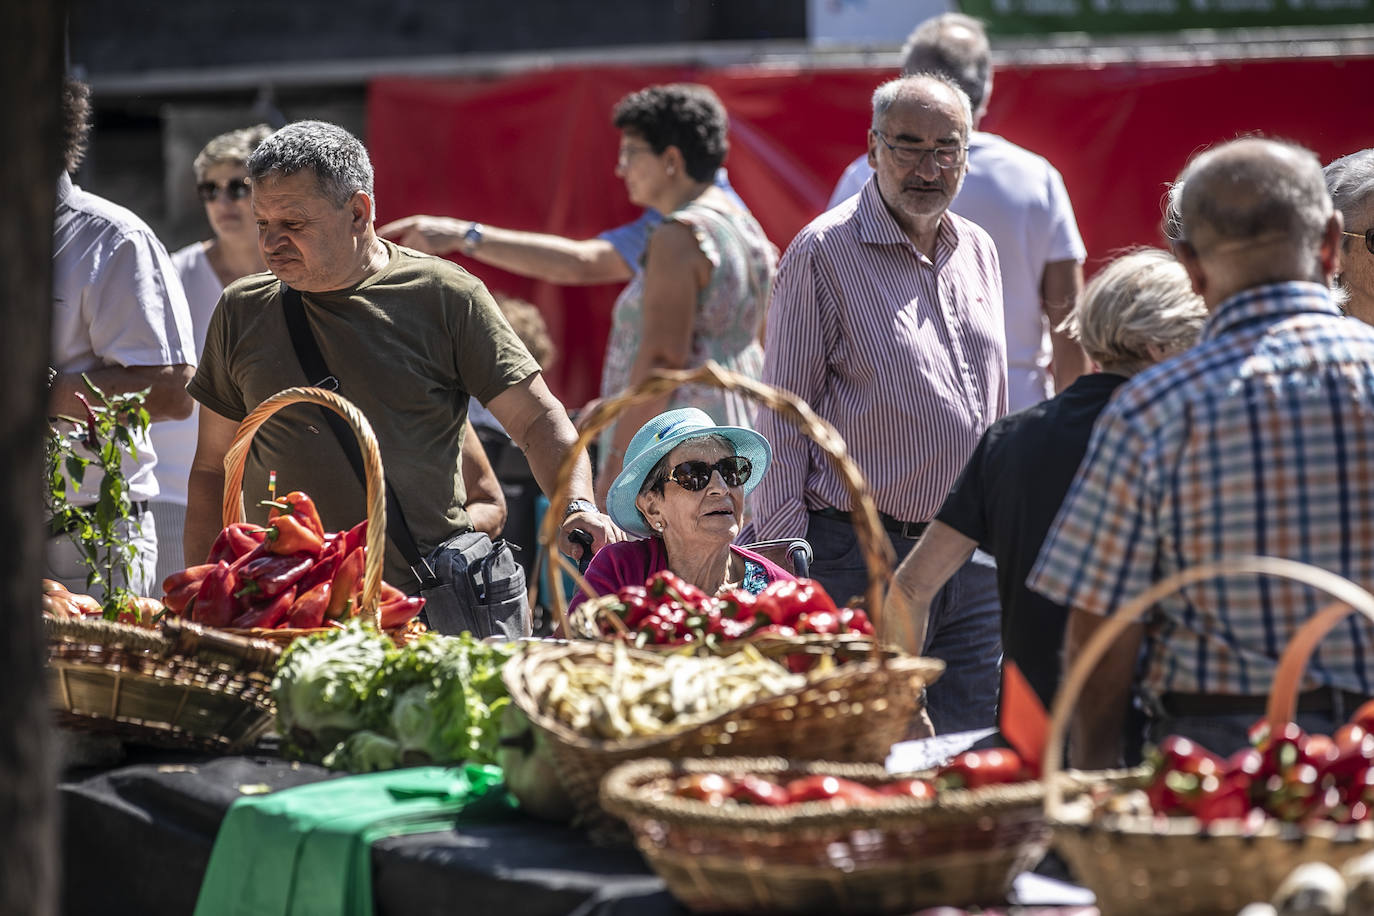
[215, 605]
[347, 585]
[300, 507]
[307, 612]
[355, 537]
[855, 620]
[267, 577]
[180, 588]
[707, 787]
[288, 534]
[324, 568]
[784, 601]
[1222, 799]
[667, 585]
[235, 540]
[820, 622]
[738, 604]
[1364, 716]
[975, 769]
[755, 790]
[830, 788]
[269, 614]
[400, 611]
[909, 788]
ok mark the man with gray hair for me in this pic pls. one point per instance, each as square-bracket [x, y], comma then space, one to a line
[1137, 310]
[407, 337]
[886, 317]
[1256, 442]
[1350, 180]
[1020, 200]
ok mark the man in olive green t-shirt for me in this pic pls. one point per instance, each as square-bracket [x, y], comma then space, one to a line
[409, 336]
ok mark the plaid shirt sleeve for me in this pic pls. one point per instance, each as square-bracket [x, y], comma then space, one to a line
[1104, 546]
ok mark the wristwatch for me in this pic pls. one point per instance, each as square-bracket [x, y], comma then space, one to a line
[472, 239]
[580, 505]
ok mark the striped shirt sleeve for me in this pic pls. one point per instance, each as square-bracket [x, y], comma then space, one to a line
[794, 360]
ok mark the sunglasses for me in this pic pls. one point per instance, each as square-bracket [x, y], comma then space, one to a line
[1367, 235]
[234, 189]
[696, 475]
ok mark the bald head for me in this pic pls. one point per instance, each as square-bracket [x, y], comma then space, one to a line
[1257, 208]
[956, 46]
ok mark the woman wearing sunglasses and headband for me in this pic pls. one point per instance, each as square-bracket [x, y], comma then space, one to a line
[681, 489]
[205, 268]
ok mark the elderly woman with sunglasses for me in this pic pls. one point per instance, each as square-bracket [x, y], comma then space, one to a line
[205, 269]
[681, 490]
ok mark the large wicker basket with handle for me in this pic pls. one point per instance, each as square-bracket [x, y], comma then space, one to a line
[852, 714]
[1143, 865]
[184, 686]
[233, 509]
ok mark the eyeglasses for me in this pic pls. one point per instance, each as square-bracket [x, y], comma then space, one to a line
[1367, 235]
[629, 152]
[234, 189]
[946, 157]
[696, 475]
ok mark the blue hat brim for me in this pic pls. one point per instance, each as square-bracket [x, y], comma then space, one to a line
[620, 499]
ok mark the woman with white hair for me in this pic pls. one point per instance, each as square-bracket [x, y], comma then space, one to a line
[1350, 181]
[1138, 310]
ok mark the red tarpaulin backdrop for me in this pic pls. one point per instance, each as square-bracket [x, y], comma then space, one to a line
[537, 152]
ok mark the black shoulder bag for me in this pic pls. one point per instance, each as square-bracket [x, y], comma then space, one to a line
[468, 582]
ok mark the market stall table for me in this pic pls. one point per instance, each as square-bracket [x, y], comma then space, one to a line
[137, 839]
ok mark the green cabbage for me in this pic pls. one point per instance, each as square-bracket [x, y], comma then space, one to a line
[437, 700]
[323, 683]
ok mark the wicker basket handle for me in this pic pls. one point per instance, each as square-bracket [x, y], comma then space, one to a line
[877, 550]
[1348, 595]
[237, 455]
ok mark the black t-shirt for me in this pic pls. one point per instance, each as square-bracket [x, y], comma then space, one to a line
[1007, 497]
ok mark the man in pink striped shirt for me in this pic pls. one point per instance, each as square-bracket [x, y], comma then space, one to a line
[886, 317]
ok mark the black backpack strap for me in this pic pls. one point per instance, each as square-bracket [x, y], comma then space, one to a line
[312, 361]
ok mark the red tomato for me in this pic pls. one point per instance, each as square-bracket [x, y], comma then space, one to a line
[909, 788]
[975, 769]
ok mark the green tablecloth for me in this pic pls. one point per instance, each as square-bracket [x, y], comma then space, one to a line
[306, 851]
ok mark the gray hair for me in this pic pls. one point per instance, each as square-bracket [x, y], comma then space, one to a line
[233, 147]
[1251, 188]
[336, 157]
[1350, 182]
[956, 46]
[1142, 300]
[886, 95]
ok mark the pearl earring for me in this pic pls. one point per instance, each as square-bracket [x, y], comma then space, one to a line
[672, 170]
[659, 526]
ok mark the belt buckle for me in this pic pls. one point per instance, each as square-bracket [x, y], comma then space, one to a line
[910, 530]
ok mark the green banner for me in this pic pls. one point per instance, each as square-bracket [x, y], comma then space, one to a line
[1024, 17]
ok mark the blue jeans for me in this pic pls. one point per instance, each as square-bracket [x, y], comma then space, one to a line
[965, 627]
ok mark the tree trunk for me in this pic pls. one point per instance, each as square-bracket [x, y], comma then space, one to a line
[30, 79]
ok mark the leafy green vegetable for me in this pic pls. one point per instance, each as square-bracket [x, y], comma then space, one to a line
[364, 752]
[436, 700]
[323, 682]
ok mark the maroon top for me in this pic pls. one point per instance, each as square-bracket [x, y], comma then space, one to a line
[633, 562]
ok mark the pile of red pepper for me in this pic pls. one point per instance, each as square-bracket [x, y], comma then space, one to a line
[288, 574]
[1289, 775]
[668, 611]
[970, 770]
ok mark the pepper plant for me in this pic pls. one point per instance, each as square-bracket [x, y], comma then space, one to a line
[111, 429]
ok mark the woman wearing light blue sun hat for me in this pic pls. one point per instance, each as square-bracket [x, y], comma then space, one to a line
[681, 491]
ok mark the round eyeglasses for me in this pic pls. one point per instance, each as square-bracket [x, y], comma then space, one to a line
[234, 189]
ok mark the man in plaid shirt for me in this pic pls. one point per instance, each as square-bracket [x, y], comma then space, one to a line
[1258, 441]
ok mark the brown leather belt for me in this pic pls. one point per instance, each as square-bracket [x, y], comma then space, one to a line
[908, 530]
[1324, 699]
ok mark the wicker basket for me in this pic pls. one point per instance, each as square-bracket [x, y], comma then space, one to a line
[877, 549]
[898, 855]
[1147, 865]
[183, 687]
[853, 714]
[233, 510]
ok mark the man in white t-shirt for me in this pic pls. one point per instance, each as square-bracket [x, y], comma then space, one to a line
[1020, 200]
[120, 317]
